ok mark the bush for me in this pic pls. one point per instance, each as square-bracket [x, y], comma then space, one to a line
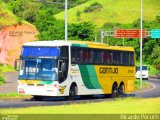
[158, 17]
[93, 7]
[2, 79]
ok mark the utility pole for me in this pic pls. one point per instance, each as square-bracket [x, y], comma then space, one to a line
[66, 20]
[102, 36]
[141, 45]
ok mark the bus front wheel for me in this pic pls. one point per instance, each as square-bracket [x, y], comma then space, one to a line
[73, 92]
[38, 98]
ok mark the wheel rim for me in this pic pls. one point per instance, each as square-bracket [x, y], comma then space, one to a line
[121, 89]
[114, 91]
[73, 92]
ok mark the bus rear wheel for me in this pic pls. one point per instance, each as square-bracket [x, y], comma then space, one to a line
[115, 92]
[121, 89]
[73, 92]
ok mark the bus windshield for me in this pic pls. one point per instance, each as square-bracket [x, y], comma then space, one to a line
[38, 69]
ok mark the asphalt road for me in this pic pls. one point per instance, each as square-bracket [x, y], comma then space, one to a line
[11, 83]
[151, 92]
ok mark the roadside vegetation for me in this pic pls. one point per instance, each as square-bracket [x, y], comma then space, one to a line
[13, 95]
[137, 84]
[117, 106]
[4, 68]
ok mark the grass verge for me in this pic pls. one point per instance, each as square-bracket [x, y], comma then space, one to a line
[117, 106]
[4, 68]
[144, 84]
[2, 79]
[13, 95]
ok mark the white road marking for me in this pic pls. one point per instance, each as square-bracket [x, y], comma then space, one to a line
[146, 90]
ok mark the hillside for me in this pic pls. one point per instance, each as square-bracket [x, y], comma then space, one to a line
[116, 11]
[13, 33]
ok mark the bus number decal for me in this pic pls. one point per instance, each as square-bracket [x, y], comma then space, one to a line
[130, 71]
[104, 70]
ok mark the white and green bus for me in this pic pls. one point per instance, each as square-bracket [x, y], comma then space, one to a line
[75, 68]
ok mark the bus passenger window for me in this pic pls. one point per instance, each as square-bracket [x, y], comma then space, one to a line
[91, 56]
[95, 57]
[98, 57]
[110, 57]
[124, 58]
[132, 59]
[119, 58]
[73, 55]
[105, 57]
[115, 58]
[85, 56]
[127, 58]
[79, 55]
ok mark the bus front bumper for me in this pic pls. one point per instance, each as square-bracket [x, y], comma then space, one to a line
[38, 90]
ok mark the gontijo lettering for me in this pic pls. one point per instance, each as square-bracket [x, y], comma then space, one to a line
[110, 70]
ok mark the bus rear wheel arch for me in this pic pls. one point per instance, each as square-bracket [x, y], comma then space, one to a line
[121, 88]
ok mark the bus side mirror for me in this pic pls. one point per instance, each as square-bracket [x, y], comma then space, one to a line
[16, 64]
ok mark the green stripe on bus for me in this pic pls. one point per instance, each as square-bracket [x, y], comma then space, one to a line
[89, 77]
[93, 76]
[79, 45]
[85, 76]
[47, 82]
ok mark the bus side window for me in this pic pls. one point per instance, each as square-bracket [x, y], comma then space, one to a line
[99, 57]
[95, 57]
[105, 57]
[64, 52]
[119, 62]
[85, 56]
[127, 58]
[114, 57]
[79, 53]
[132, 59]
[110, 57]
[73, 55]
[91, 56]
[123, 58]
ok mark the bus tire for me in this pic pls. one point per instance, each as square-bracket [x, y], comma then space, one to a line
[38, 98]
[121, 89]
[73, 92]
[115, 92]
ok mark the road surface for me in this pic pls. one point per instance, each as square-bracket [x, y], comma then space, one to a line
[11, 83]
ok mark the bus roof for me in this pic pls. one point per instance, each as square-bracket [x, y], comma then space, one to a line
[87, 44]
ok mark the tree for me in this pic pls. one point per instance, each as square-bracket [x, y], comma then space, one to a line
[156, 56]
[49, 27]
[82, 31]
